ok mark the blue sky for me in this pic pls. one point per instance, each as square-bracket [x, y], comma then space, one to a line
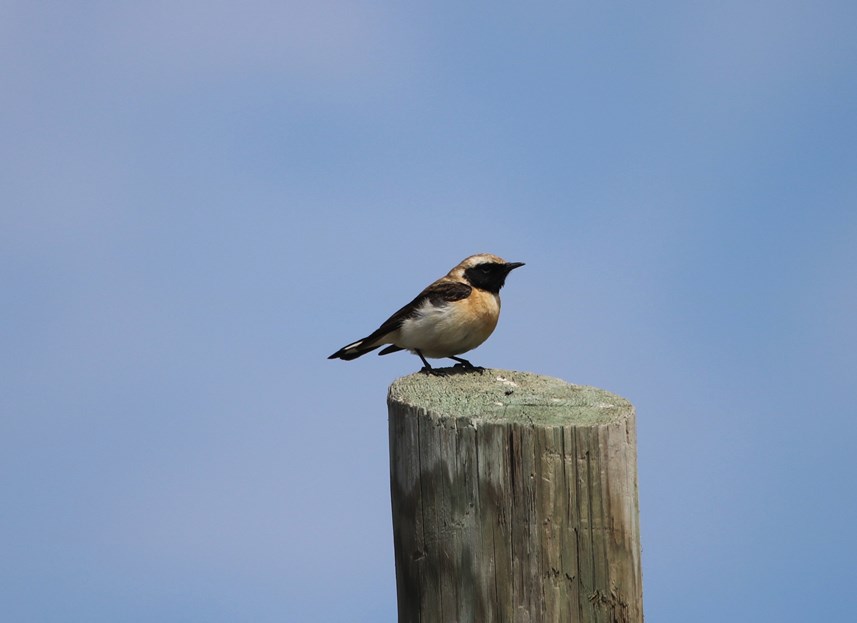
[201, 201]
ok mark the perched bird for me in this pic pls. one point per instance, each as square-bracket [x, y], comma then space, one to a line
[453, 315]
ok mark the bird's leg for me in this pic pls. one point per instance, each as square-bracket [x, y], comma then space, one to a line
[463, 363]
[426, 367]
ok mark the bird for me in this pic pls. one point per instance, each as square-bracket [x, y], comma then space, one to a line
[452, 316]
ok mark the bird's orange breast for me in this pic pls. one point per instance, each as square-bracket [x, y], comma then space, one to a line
[481, 310]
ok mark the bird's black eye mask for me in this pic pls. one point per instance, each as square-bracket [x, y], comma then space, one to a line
[488, 276]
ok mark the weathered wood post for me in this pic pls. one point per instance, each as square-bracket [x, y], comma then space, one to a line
[514, 499]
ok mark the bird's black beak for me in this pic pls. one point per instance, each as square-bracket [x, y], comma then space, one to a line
[513, 265]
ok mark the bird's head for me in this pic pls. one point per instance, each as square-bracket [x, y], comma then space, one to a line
[484, 271]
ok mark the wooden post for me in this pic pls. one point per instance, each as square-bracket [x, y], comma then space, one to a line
[514, 499]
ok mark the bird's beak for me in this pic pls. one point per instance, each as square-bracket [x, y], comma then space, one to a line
[513, 265]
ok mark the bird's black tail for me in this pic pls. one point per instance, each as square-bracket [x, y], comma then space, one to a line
[353, 351]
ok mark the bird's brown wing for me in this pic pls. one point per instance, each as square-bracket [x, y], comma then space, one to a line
[439, 293]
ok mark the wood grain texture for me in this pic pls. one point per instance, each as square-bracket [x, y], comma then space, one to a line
[514, 499]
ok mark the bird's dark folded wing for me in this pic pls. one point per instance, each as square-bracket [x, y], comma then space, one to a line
[441, 292]
[438, 293]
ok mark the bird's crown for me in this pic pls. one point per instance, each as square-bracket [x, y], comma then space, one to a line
[475, 260]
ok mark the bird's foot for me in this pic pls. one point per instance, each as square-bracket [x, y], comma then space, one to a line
[463, 364]
[427, 369]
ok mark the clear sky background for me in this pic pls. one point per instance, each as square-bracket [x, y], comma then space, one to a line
[202, 200]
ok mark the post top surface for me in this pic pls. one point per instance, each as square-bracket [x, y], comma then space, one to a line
[509, 396]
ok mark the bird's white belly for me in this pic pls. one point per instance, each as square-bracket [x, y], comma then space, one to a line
[449, 330]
